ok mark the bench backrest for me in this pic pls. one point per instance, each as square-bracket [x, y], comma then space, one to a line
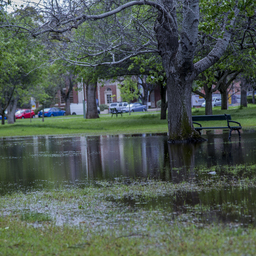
[211, 117]
[115, 111]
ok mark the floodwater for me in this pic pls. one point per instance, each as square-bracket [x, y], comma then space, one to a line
[39, 161]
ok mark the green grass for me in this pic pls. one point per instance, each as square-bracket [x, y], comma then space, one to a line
[134, 123]
[148, 122]
[108, 228]
[157, 239]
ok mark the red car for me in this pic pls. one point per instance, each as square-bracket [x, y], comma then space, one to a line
[24, 113]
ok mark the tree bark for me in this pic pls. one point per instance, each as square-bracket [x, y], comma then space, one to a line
[253, 96]
[11, 112]
[2, 121]
[67, 106]
[164, 104]
[177, 58]
[180, 125]
[208, 100]
[91, 110]
[224, 99]
[243, 101]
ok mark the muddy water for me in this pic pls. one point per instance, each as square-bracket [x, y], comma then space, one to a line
[71, 159]
[36, 162]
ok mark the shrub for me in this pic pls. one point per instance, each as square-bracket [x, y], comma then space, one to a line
[249, 99]
[37, 110]
[158, 104]
[103, 107]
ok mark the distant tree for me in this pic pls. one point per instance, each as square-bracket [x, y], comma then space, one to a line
[129, 90]
[123, 29]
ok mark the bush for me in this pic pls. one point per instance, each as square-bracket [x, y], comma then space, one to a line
[37, 110]
[249, 99]
[103, 107]
[158, 104]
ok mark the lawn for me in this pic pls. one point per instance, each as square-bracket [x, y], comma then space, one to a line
[98, 218]
[105, 225]
[144, 122]
[134, 123]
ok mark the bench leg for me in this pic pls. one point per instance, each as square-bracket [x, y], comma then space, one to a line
[239, 134]
[199, 132]
[229, 137]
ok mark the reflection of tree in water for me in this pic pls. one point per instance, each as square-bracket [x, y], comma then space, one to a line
[94, 158]
[211, 157]
[182, 161]
[232, 152]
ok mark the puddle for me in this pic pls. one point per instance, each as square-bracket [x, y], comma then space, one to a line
[39, 163]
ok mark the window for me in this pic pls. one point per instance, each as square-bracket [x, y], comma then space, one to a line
[109, 98]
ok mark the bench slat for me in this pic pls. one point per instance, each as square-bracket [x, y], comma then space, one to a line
[216, 118]
[216, 127]
[211, 117]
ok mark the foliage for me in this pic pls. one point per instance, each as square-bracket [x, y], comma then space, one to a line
[249, 99]
[129, 89]
[103, 107]
[21, 72]
[38, 109]
[150, 65]
[158, 104]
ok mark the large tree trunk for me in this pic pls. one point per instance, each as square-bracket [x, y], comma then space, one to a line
[164, 104]
[253, 96]
[180, 125]
[208, 100]
[2, 121]
[67, 105]
[91, 110]
[177, 57]
[11, 112]
[224, 99]
[243, 102]
[144, 98]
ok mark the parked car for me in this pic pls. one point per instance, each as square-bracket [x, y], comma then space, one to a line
[119, 106]
[215, 102]
[24, 113]
[1, 117]
[135, 107]
[51, 112]
[77, 108]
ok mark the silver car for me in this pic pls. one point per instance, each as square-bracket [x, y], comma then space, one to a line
[215, 102]
[117, 105]
[135, 107]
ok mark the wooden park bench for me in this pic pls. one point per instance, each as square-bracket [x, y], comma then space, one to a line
[116, 112]
[231, 125]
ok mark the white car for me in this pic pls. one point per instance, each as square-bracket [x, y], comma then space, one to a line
[117, 105]
[215, 102]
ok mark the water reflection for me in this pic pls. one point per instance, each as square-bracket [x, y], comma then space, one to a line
[71, 159]
[39, 161]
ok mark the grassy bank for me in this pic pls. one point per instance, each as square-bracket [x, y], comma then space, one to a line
[95, 220]
[148, 122]
[157, 239]
[134, 123]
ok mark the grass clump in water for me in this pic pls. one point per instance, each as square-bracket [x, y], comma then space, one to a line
[34, 217]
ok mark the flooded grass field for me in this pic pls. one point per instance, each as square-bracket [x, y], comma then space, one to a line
[127, 195]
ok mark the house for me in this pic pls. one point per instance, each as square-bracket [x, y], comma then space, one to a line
[107, 92]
